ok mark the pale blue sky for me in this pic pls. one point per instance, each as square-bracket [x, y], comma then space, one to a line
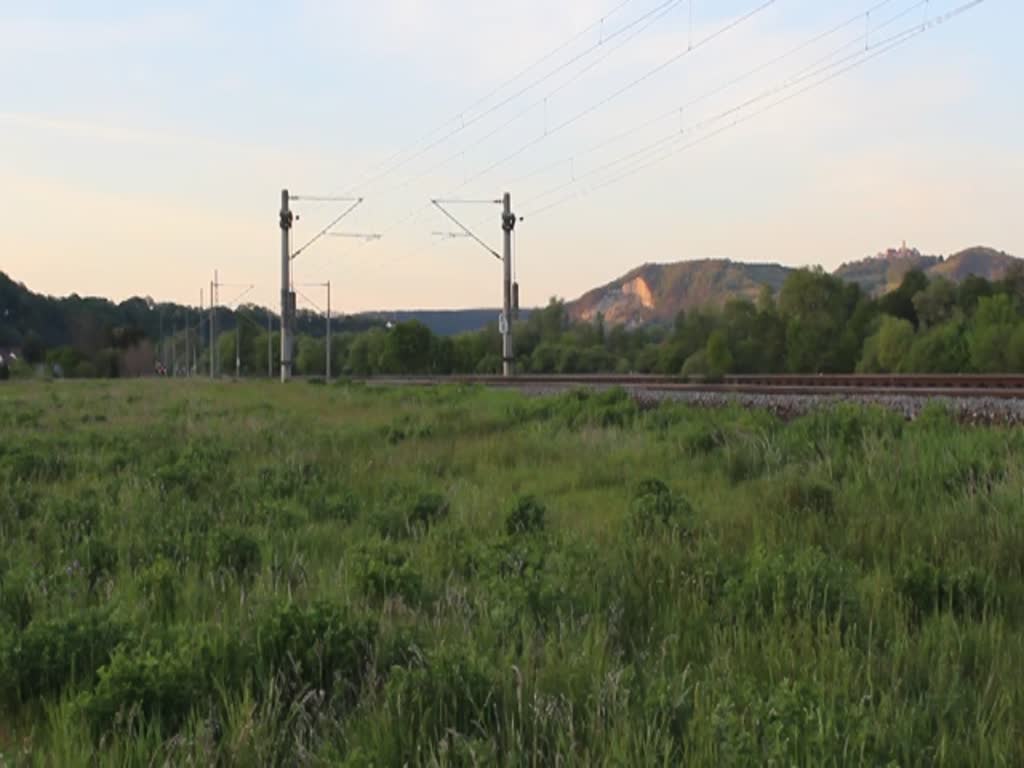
[143, 144]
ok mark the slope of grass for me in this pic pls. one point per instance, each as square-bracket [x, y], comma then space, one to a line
[263, 575]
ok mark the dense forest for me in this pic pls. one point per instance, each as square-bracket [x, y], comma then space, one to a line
[815, 323]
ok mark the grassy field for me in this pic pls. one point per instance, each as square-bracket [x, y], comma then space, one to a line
[253, 574]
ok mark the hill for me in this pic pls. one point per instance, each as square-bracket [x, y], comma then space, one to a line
[883, 273]
[980, 262]
[656, 292]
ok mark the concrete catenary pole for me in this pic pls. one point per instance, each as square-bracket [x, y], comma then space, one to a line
[508, 224]
[213, 323]
[287, 302]
[328, 368]
[188, 344]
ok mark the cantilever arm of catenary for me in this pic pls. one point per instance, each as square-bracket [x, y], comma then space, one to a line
[466, 229]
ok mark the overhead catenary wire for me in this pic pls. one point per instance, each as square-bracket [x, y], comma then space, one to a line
[815, 68]
[877, 50]
[711, 37]
[469, 233]
[659, 13]
[703, 97]
[328, 228]
[626, 88]
[396, 161]
[818, 78]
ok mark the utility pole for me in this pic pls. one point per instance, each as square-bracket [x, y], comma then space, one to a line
[510, 289]
[270, 347]
[213, 324]
[160, 345]
[188, 345]
[199, 329]
[508, 224]
[328, 368]
[287, 297]
[287, 294]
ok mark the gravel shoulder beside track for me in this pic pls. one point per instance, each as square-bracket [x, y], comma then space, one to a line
[970, 410]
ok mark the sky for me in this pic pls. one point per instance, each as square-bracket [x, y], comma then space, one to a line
[145, 144]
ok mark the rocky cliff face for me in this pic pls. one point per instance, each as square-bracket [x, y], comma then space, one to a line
[657, 292]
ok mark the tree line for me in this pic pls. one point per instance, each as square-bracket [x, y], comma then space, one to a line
[816, 323]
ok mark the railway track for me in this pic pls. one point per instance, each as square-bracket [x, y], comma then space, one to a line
[925, 385]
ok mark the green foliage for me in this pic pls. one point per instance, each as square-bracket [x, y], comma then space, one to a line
[383, 570]
[50, 655]
[527, 516]
[807, 585]
[656, 508]
[930, 589]
[191, 574]
[236, 551]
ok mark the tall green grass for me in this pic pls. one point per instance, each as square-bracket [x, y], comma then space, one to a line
[263, 575]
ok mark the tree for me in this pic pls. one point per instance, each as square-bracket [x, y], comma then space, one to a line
[815, 307]
[991, 328]
[311, 356]
[409, 344]
[900, 303]
[935, 304]
[718, 356]
[895, 337]
[941, 349]
[972, 290]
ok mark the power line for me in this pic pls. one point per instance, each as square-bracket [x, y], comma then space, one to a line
[328, 228]
[653, 17]
[393, 163]
[464, 228]
[817, 67]
[873, 52]
[706, 95]
[626, 88]
[416, 212]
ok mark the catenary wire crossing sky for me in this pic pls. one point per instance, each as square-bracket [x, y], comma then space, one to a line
[144, 144]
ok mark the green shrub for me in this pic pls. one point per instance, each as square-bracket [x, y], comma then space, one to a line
[803, 495]
[808, 586]
[236, 551]
[527, 516]
[49, 656]
[16, 596]
[928, 589]
[158, 686]
[159, 584]
[340, 507]
[319, 646]
[428, 509]
[99, 559]
[383, 570]
[451, 691]
[656, 508]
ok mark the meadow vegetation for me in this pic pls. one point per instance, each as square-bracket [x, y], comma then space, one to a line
[249, 574]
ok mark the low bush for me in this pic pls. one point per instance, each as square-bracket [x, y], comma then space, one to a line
[383, 570]
[236, 551]
[655, 508]
[527, 516]
[928, 588]
[809, 586]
